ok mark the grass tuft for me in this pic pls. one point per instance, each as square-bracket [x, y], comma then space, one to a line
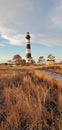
[30, 101]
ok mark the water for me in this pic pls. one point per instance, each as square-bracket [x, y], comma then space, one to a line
[53, 75]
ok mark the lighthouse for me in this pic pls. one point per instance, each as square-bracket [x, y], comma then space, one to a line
[28, 48]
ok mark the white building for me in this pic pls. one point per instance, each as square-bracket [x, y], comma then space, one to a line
[50, 59]
[49, 62]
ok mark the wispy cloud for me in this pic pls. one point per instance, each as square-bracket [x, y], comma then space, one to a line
[2, 45]
[14, 39]
[57, 15]
[42, 18]
[47, 39]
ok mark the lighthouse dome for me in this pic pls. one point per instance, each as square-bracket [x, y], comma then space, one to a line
[28, 36]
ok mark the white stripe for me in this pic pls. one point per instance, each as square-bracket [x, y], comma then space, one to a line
[28, 51]
[27, 41]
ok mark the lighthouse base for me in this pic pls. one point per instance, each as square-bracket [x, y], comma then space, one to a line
[28, 60]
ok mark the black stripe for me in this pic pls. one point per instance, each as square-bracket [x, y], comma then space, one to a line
[28, 37]
[28, 46]
[28, 55]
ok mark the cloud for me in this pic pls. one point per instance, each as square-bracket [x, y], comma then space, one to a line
[47, 39]
[57, 15]
[43, 19]
[2, 45]
[14, 39]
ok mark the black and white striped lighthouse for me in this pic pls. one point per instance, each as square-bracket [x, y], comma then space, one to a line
[28, 48]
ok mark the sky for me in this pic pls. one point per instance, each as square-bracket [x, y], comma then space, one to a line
[42, 18]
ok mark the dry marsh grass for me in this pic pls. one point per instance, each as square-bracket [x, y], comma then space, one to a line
[57, 68]
[29, 101]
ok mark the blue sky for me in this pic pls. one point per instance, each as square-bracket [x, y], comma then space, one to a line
[42, 18]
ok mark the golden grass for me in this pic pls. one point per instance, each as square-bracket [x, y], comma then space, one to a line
[55, 69]
[30, 101]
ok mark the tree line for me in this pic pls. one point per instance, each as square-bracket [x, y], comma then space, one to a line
[18, 60]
